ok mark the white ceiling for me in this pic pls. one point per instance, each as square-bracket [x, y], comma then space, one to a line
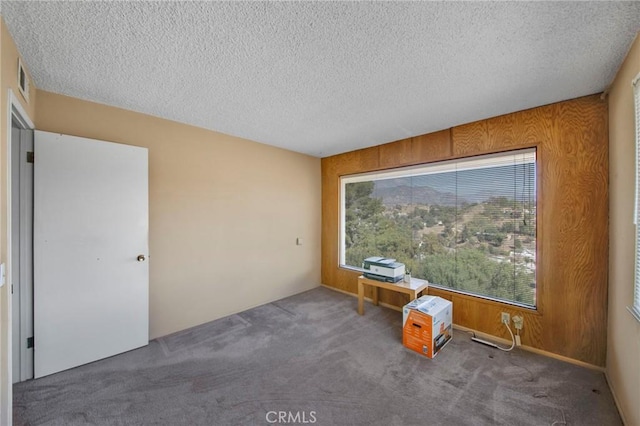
[323, 78]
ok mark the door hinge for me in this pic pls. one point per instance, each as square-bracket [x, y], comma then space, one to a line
[11, 288]
[30, 156]
[29, 342]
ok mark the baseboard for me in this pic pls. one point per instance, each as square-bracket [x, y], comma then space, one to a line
[615, 398]
[492, 338]
[530, 349]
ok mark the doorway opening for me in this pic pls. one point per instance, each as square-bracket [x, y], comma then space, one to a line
[20, 240]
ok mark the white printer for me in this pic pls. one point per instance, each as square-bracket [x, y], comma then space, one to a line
[383, 269]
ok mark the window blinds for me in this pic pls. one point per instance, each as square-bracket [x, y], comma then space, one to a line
[468, 225]
[635, 309]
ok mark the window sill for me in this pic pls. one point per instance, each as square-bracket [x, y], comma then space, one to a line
[486, 299]
[634, 312]
[351, 268]
[470, 296]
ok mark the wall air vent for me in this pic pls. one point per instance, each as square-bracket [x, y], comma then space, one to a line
[23, 81]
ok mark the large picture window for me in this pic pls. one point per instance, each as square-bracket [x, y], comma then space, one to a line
[467, 225]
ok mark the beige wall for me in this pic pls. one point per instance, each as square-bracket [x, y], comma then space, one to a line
[224, 212]
[623, 345]
[8, 80]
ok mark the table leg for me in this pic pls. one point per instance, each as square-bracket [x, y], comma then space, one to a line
[375, 295]
[360, 298]
[412, 295]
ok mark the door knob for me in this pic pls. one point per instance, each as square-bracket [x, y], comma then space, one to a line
[141, 258]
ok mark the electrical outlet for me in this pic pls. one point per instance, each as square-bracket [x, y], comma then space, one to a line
[518, 322]
[506, 318]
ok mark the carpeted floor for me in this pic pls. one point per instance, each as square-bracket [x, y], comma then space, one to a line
[311, 359]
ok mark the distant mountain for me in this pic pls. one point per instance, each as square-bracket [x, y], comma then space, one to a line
[473, 187]
[404, 194]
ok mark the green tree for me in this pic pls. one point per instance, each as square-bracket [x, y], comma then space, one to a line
[361, 212]
[508, 227]
[466, 256]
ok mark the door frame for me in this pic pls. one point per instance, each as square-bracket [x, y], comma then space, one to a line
[16, 112]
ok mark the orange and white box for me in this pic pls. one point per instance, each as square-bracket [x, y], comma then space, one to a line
[427, 325]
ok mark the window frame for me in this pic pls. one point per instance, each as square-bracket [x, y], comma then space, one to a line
[405, 171]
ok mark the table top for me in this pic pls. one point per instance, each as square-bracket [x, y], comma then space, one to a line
[416, 284]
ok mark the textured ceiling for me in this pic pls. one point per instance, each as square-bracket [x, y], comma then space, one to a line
[323, 77]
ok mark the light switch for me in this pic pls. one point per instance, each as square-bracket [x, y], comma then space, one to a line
[299, 241]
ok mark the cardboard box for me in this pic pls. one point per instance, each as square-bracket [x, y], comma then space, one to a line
[427, 325]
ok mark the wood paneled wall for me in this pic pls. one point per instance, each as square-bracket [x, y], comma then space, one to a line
[572, 144]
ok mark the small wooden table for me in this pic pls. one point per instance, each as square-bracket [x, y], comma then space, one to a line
[413, 289]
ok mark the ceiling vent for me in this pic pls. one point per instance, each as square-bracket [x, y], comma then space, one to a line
[23, 81]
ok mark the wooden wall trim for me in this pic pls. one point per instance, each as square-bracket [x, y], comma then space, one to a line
[508, 342]
[572, 144]
[499, 340]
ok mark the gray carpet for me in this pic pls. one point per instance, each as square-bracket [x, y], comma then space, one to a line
[313, 358]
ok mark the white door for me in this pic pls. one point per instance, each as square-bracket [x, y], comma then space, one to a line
[91, 275]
